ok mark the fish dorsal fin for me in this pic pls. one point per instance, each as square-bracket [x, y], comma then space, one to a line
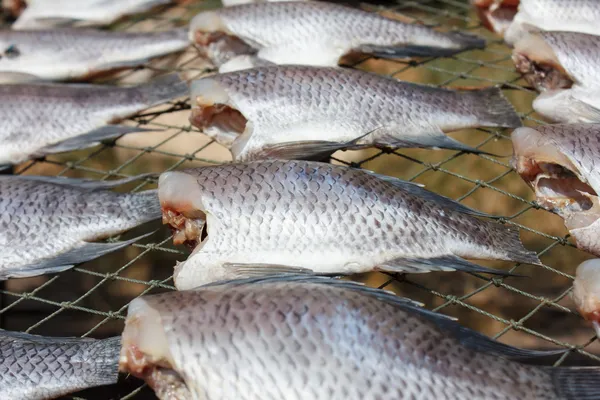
[78, 183]
[418, 190]
[467, 337]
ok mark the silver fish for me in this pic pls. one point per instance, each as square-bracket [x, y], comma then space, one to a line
[37, 367]
[569, 105]
[41, 14]
[554, 60]
[303, 111]
[586, 292]
[559, 163]
[313, 33]
[63, 54]
[229, 3]
[321, 218]
[47, 224]
[318, 338]
[40, 119]
[554, 15]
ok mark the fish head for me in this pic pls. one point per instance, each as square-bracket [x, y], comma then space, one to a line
[539, 64]
[586, 291]
[496, 15]
[564, 181]
[216, 114]
[180, 199]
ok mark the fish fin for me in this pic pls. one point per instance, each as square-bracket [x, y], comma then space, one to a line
[468, 42]
[576, 383]
[243, 61]
[584, 110]
[418, 190]
[10, 77]
[89, 139]
[448, 262]
[492, 108]
[163, 89]
[238, 270]
[85, 252]
[426, 137]
[89, 184]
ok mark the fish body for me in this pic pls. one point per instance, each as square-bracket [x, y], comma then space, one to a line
[63, 54]
[320, 338]
[554, 60]
[586, 291]
[321, 218]
[41, 14]
[41, 118]
[554, 15]
[48, 224]
[574, 105]
[303, 111]
[560, 162]
[36, 367]
[229, 3]
[313, 33]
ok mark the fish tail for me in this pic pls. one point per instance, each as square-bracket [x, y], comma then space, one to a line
[102, 357]
[491, 108]
[143, 206]
[496, 241]
[163, 89]
[576, 383]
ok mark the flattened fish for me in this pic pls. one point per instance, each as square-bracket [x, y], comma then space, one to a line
[496, 15]
[321, 218]
[586, 292]
[569, 105]
[560, 163]
[40, 119]
[554, 15]
[37, 367]
[47, 224]
[41, 14]
[63, 54]
[554, 60]
[318, 338]
[304, 112]
[313, 33]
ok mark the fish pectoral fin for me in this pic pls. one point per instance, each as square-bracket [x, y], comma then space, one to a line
[239, 271]
[448, 262]
[90, 139]
[89, 184]
[585, 110]
[84, 252]
[426, 137]
[305, 150]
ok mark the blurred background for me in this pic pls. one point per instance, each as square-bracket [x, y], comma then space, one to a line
[533, 311]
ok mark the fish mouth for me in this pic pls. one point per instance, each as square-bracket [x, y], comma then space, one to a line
[557, 183]
[539, 65]
[185, 218]
[214, 113]
[496, 15]
[145, 351]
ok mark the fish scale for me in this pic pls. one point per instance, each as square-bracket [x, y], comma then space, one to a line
[372, 222]
[300, 337]
[299, 104]
[34, 367]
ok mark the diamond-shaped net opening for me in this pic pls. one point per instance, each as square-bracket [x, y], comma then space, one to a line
[534, 312]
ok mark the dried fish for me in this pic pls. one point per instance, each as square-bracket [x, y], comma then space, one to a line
[313, 33]
[40, 119]
[47, 224]
[37, 367]
[299, 337]
[321, 218]
[289, 112]
[569, 105]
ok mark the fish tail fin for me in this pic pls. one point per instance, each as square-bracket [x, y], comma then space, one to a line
[576, 383]
[491, 108]
[163, 89]
[499, 242]
[143, 206]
